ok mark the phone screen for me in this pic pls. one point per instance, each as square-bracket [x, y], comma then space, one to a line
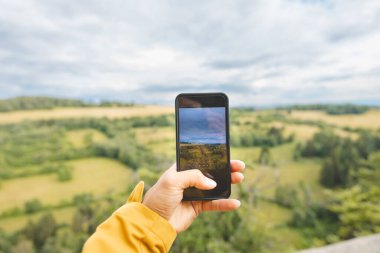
[203, 142]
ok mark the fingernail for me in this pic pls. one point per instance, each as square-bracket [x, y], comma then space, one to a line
[242, 164]
[238, 202]
[210, 182]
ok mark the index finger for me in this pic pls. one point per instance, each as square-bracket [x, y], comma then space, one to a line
[237, 166]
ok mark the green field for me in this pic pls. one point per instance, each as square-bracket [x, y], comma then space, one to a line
[78, 138]
[95, 175]
[53, 162]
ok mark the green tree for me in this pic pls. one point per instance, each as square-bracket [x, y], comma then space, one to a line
[83, 220]
[358, 207]
[369, 172]
[358, 210]
[224, 232]
[367, 143]
[321, 145]
[339, 169]
[39, 232]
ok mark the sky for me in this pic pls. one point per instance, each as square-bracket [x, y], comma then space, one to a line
[259, 52]
[202, 125]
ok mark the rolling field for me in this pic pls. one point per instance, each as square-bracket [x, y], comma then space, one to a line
[95, 112]
[367, 120]
[160, 140]
[78, 137]
[94, 173]
[301, 132]
[149, 135]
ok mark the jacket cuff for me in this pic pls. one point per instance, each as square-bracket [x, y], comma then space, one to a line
[159, 226]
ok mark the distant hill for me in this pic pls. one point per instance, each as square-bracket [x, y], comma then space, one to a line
[42, 102]
[33, 103]
[333, 109]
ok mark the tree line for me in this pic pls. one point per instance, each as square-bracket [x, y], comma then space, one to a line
[39, 102]
[333, 109]
[257, 136]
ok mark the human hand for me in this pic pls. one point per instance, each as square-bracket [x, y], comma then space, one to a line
[165, 197]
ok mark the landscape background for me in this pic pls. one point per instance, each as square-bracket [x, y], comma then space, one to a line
[312, 174]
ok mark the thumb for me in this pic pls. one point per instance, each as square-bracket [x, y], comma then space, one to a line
[195, 178]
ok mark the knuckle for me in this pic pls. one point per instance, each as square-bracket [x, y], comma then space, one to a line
[168, 180]
[199, 175]
[195, 173]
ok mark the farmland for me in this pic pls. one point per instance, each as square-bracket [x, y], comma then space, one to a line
[62, 161]
[101, 112]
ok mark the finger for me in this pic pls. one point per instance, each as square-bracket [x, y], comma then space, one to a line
[220, 205]
[189, 178]
[237, 165]
[236, 177]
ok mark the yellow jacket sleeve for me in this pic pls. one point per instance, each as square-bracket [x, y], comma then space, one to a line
[132, 228]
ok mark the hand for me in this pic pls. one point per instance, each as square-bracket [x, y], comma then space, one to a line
[165, 197]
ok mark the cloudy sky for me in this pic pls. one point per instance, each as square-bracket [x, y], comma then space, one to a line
[260, 52]
[202, 125]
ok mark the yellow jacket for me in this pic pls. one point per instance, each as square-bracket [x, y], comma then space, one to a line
[132, 228]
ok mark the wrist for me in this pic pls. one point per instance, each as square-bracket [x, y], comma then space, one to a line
[152, 207]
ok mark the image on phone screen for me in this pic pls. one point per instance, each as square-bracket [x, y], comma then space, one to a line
[202, 140]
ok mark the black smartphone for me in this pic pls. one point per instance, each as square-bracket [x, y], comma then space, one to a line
[202, 134]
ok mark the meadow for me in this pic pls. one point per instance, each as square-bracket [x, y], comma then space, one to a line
[76, 165]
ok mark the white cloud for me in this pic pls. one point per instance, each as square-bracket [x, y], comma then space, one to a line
[260, 52]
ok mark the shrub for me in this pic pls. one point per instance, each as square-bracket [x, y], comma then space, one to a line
[64, 173]
[84, 198]
[33, 206]
[287, 195]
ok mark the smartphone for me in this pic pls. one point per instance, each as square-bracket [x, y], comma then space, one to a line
[202, 138]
